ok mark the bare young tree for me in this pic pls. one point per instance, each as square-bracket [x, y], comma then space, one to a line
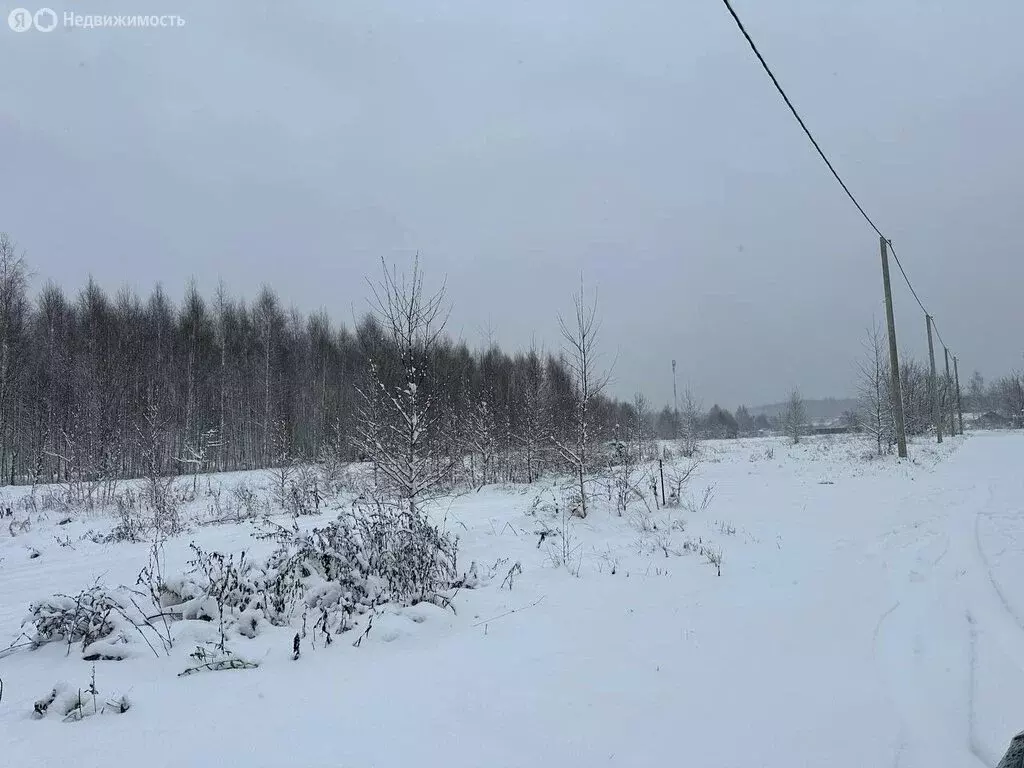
[399, 421]
[642, 429]
[976, 393]
[580, 334]
[481, 439]
[874, 406]
[794, 417]
[689, 424]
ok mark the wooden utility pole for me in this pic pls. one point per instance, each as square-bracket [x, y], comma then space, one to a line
[894, 358]
[933, 389]
[675, 397]
[959, 405]
[949, 394]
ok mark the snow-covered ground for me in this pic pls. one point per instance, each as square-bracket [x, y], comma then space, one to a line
[868, 613]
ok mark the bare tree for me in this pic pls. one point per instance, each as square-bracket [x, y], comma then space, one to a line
[482, 440]
[642, 430]
[1008, 396]
[914, 378]
[976, 393]
[580, 334]
[795, 416]
[689, 424]
[874, 405]
[399, 421]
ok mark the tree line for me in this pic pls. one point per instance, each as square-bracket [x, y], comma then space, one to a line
[100, 386]
[876, 414]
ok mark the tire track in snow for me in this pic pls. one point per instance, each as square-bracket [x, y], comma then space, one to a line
[878, 627]
[972, 739]
[898, 644]
[901, 735]
[988, 610]
[987, 565]
[934, 570]
[987, 604]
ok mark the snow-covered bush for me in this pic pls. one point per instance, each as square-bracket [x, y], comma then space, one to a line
[130, 525]
[74, 705]
[297, 489]
[376, 553]
[239, 502]
[105, 622]
[155, 506]
[676, 478]
[87, 617]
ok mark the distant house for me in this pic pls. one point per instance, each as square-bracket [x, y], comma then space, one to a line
[993, 420]
[832, 429]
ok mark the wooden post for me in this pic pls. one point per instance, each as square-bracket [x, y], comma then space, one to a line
[933, 389]
[894, 358]
[959, 405]
[661, 469]
[949, 394]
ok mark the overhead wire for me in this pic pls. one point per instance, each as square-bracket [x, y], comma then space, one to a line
[824, 157]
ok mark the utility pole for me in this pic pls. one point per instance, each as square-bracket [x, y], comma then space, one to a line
[933, 389]
[675, 396]
[959, 406]
[949, 394]
[894, 358]
[675, 403]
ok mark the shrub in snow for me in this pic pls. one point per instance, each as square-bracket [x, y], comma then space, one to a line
[130, 525]
[619, 475]
[90, 616]
[712, 555]
[375, 554]
[77, 704]
[247, 501]
[106, 623]
[676, 478]
[153, 507]
[296, 489]
[379, 552]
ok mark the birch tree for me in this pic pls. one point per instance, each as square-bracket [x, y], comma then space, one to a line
[399, 424]
[580, 335]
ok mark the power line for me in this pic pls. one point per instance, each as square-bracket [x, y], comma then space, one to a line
[904, 273]
[938, 335]
[824, 157]
[799, 119]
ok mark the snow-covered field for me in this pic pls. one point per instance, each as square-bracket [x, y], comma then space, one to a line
[868, 613]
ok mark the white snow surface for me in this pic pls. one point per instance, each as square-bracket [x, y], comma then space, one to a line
[868, 613]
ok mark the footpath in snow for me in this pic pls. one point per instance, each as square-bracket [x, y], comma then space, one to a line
[868, 613]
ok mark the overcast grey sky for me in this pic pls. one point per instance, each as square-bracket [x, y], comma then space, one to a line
[518, 144]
